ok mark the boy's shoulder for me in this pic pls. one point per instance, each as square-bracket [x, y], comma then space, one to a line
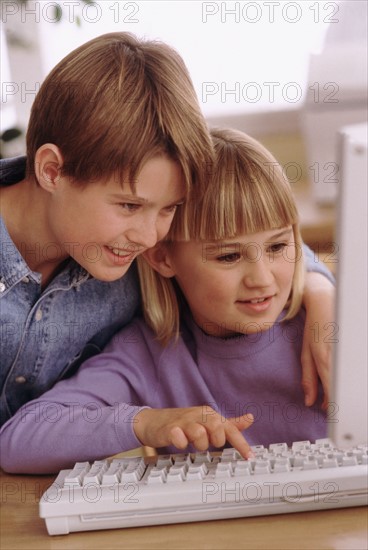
[12, 170]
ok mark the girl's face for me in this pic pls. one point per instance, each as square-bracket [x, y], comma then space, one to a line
[104, 226]
[237, 286]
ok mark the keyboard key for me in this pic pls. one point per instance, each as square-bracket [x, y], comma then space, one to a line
[133, 472]
[262, 467]
[300, 445]
[349, 460]
[258, 449]
[359, 453]
[94, 475]
[229, 455]
[364, 459]
[224, 469]
[157, 475]
[182, 459]
[197, 472]
[310, 463]
[76, 475]
[278, 448]
[330, 463]
[297, 461]
[202, 457]
[338, 455]
[281, 465]
[113, 474]
[164, 460]
[242, 468]
[177, 473]
[325, 442]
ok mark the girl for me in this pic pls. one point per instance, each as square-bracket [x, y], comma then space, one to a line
[219, 349]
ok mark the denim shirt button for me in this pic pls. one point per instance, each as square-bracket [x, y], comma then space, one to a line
[38, 315]
[20, 379]
[25, 279]
[2, 286]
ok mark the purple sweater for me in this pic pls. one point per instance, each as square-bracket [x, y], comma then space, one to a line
[90, 416]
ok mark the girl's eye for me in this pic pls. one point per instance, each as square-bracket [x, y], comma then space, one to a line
[229, 258]
[277, 247]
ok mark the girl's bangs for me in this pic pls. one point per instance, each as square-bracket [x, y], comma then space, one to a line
[232, 209]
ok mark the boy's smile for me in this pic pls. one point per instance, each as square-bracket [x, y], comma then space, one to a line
[104, 226]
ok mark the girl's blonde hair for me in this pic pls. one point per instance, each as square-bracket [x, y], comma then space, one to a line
[247, 192]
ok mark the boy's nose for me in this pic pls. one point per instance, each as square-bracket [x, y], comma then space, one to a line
[146, 233]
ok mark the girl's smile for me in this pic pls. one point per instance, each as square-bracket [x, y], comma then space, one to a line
[255, 305]
[245, 282]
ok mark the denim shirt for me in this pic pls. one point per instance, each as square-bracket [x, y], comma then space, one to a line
[46, 334]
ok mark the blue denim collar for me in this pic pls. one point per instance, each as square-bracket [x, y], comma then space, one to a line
[13, 267]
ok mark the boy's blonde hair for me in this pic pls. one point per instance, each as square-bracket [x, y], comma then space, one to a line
[114, 103]
[247, 192]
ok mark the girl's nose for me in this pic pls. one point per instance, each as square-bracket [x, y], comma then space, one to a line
[258, 274]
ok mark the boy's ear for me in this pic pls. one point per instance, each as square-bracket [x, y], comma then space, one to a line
[159, 259]
[48, 165]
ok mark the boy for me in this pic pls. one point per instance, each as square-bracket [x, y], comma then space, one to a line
[115, 141]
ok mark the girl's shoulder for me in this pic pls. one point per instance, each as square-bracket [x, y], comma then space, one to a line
[137, 339]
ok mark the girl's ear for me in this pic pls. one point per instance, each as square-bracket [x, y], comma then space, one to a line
[48, 165]
[158, 258]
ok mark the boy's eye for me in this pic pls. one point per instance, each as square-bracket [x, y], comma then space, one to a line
[129, 206]
[229, 258]
[171, 209]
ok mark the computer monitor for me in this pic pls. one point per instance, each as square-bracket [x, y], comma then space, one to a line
[347, 414]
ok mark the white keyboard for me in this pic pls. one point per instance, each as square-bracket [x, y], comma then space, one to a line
[136, 491]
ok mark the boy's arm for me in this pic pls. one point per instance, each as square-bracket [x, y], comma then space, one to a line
[319, 301]
[315, 265]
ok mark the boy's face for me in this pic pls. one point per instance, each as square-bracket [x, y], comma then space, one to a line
[104, 226]
[237, 286]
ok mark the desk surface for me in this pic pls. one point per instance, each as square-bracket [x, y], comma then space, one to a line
[21, 528]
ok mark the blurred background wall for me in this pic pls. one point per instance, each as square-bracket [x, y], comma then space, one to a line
[289, 73]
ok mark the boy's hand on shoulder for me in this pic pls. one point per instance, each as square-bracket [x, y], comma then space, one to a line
[200, 426]
[319, 335]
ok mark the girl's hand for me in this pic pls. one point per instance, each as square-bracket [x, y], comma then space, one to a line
[200, 426]
[319, 334]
